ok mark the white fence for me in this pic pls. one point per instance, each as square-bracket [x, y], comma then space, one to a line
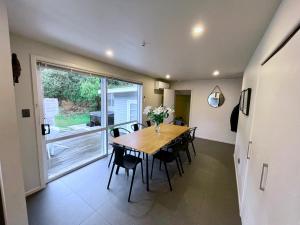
[51, 109]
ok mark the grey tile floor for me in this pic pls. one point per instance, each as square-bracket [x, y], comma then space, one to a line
[205, 195]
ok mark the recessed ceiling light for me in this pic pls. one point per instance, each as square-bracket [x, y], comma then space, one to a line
[109, 53]
[197, 30]
[168, 76]
[216, 73]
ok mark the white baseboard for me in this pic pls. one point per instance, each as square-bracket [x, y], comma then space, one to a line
[32, 191]
[206, 138]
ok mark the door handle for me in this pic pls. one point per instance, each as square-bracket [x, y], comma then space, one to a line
[248, 151]
[45, 129]
[263, 177]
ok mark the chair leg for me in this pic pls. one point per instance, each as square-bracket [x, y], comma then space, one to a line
[179, 170]
[168, 176]
[143, 155]
[111, 173]
[180, 162]
[160, 165]
[131, 184]
[142, 169]
[152, 167]
[117, 170]
[112, 154]
[193, 147]
[188, 155]
[127, 172]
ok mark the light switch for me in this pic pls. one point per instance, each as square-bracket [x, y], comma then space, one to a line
[25, 113]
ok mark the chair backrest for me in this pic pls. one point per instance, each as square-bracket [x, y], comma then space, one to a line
[185, 138]
[148, 123]
[193, 132]
[176, 146]
[178, 122]
[116, 132]
[119, 154]
[135, 127]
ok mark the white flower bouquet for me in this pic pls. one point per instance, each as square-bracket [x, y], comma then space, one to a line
[158, 114]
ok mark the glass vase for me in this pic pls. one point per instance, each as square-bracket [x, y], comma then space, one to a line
[157, 127]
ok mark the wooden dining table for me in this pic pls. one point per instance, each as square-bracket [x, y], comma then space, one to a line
[148, 141]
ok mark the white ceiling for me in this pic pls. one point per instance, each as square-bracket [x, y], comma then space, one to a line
[233, 29]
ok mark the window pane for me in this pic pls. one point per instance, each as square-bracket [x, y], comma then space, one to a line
[72, 108]
[72, 101]
[122, 102]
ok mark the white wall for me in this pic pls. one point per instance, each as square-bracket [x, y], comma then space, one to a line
[273, 127]
[24, 95]
[212, 123]
[12, 185]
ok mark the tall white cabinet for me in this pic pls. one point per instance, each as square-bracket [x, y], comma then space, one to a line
[276, 142]
[269, 178]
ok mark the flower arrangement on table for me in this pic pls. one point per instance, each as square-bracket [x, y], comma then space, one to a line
[157, 115]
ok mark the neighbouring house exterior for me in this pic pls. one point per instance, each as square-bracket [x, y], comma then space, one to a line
[123, 102]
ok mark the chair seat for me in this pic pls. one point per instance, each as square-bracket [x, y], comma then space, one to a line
[130, 161]
[164, 156]
[126, 161]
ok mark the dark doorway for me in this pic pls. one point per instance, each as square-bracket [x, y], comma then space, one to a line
[182, 105]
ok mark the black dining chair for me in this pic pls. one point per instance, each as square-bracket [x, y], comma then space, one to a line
[192, 137]
[116, 132]
[128, 162]
[165, 157]
[175, 146]
[184, 143]
[137, 126]
[148, 122]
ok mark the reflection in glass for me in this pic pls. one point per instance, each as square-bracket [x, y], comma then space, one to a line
[216, 99]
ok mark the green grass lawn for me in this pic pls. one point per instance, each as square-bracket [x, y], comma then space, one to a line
[63, 121]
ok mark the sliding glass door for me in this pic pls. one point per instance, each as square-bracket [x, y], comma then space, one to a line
[74, 118]
[79, 110]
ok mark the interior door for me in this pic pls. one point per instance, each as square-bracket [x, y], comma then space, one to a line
[169, 101]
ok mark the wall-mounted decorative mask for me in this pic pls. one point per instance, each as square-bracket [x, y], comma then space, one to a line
[16, 68]
[216, 97]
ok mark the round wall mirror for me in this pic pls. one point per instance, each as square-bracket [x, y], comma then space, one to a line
[216, 98]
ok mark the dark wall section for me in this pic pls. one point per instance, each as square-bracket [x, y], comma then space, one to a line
[1, 211]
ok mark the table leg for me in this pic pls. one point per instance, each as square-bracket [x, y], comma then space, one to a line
[147, 172]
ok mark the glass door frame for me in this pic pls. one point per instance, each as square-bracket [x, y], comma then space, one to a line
[103, 127]
[38, 112]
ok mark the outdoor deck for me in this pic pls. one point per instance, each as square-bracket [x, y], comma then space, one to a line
[68, 154]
